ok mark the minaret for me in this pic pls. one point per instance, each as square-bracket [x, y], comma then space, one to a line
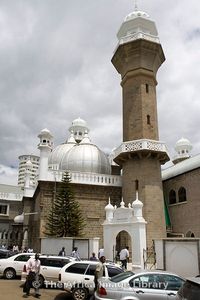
[137, 58]
[45, 147]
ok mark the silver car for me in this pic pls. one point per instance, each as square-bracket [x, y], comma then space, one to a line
[147, 285]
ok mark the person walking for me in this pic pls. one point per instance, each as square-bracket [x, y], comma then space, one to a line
[62, 252]
[124, 256]
[75, 253]
[99, 271]
[93, 257]
[32, 279]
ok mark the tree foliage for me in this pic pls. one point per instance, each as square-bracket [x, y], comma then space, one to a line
[65, 217]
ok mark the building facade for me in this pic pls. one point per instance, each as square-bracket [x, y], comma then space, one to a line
[134, 166]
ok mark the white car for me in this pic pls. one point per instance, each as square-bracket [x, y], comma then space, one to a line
[12, 266]
[49, 270]
[78, 277]
[147, 285]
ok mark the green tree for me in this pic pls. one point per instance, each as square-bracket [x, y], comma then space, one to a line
[65, 216]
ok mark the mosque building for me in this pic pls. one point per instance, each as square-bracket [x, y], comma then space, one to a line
[96, 177]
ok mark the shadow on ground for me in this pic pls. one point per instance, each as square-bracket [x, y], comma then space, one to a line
[63, 296]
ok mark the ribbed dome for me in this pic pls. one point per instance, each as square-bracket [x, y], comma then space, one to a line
[86, 157]
[58, 153]
[80, 157]
[136, 14]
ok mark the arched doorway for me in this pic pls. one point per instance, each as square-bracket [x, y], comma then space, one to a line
[120, 222]
[123, 239]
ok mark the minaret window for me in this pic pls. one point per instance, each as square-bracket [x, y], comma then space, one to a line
[147, 88]
[182, 194]
[172, 197]
[148, 119]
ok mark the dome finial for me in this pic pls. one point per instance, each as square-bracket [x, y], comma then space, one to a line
[136, 5]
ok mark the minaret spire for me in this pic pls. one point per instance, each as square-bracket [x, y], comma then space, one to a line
[136, 5]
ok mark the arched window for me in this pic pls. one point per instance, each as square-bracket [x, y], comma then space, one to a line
[182, 195]
[172, 197]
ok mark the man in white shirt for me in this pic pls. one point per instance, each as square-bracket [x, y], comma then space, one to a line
[99, 271]
[124, 256]
[33, 271]
[75, 253]
[101, 253]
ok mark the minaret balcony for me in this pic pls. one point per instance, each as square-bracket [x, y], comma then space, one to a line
[136, 36]
[141, 148]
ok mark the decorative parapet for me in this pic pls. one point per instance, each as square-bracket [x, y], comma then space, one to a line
[137, 36]
[139, 145]
[11, 196]
[88, 178]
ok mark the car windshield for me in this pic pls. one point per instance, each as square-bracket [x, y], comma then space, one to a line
[121, 276]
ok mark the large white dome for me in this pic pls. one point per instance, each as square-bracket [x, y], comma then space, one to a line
[86, 157]
[79, 157]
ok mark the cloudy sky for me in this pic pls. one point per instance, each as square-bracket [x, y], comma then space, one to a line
[55, 66]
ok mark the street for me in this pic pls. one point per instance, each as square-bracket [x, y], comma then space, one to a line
[12, 290]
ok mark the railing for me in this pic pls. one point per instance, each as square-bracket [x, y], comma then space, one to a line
[10, 196]
[137, 36]
[143, 144]
[88, 178]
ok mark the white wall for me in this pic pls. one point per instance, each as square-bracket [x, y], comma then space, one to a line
[180, 256]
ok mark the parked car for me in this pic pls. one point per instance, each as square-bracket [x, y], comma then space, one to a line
[78, 277]
[4, 253]
[12, 266]
[190, 290]
[50, 267]
[148, 285]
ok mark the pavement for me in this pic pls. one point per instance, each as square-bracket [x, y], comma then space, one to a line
[12, 290]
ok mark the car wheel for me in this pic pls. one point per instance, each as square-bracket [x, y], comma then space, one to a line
[9, 273]
[79, 293]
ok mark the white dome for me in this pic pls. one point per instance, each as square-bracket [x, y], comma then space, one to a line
[137, 25]
[19, 219]
[81, 156]
[79, 122]
[58, 153]
[135, 14]
[183, 144]
[183, 148]
[86, 157]
[79, 127]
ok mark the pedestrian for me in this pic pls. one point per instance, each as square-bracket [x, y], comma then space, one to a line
[101, 252]
[75, 253]
[15, 249]
[124, 257]
[30, 250]
[93, 257]
[99, 271]
[62, 252]
[32, 279]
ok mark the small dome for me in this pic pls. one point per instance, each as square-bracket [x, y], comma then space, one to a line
[183, 148]
[79, 127]
[183, 143]
[136, 14]
[137, 25]
[19, 219]
[86, 157]
[79, 122]
[109, 206]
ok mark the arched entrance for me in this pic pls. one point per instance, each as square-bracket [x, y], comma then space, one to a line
[123, 239]
[120, 222]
